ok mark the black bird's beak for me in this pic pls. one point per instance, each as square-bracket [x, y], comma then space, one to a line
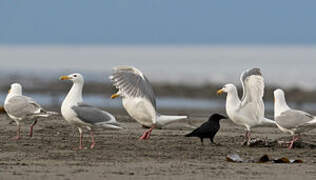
[224, 117]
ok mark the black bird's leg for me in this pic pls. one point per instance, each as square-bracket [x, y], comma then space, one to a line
[202, 141]
[212, 142]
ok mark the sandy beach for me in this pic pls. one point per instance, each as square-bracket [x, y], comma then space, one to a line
[159, 58]
[52, 153]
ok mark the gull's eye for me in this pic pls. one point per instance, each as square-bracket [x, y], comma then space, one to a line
[75, 75]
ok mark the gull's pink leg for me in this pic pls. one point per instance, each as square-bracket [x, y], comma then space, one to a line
[146, 134]
[80, 141]
[17, 137]
[31, 128]
[92, 139]
[295, 138]
[149, 133]
[247, 136]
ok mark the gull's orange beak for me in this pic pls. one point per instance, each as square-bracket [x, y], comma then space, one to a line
[64, 78]
[115, 96]
[219, 92]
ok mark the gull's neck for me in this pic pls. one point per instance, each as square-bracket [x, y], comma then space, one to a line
[232, 101]
[280, 106]
[74, 96]
[12, 94]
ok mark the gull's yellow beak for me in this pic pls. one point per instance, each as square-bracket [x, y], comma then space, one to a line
[64, 78]
[219, 92]
[115, 96]
[9, 90]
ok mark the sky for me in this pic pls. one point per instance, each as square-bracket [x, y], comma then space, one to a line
[194, 22]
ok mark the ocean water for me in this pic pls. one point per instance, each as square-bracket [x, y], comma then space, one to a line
[105, 102]
[284, 66]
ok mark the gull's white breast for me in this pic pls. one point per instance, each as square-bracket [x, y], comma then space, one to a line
[244, 116]
[140, 109]
[69, 115]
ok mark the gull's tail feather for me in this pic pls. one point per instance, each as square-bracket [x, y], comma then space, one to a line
[163, 120]
[190, 125]
[41, 115]
[312, 122]
[267, 122]
[52, 113]
[44, 113]
[109, 125]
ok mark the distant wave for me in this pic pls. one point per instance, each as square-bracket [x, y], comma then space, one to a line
[282, 65]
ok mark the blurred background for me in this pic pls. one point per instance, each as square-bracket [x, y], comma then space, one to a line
[186, 48]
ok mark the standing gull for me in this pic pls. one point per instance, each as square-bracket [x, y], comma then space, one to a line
[83, 115]
[249, 111]
[19, 108]
[138, 98]
[290, 120]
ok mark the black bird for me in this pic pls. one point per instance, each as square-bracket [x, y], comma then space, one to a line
[208, 129]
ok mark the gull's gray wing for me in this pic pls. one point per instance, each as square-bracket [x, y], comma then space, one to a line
[92, 115]
[22, 106]
[131, 82]
[293, 118]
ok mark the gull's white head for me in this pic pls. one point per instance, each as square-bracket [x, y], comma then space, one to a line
[15, 89]
[227, 88]
[279, 95]
[75, 78]
[280, 104]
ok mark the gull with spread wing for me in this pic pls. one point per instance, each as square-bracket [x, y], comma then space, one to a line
[249, 111]
[138, 98]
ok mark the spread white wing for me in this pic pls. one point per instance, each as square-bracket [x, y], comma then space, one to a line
[131, 82]
[253, 90]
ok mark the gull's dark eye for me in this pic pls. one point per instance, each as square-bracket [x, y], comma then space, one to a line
[75, 75]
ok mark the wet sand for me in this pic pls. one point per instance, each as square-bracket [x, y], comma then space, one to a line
[52, 154]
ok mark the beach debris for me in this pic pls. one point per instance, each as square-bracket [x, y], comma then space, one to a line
[297, 144]
[265, 158]
[235, 158]
[258, 143]
[2, 110]
[286, 160]
[282, 142]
